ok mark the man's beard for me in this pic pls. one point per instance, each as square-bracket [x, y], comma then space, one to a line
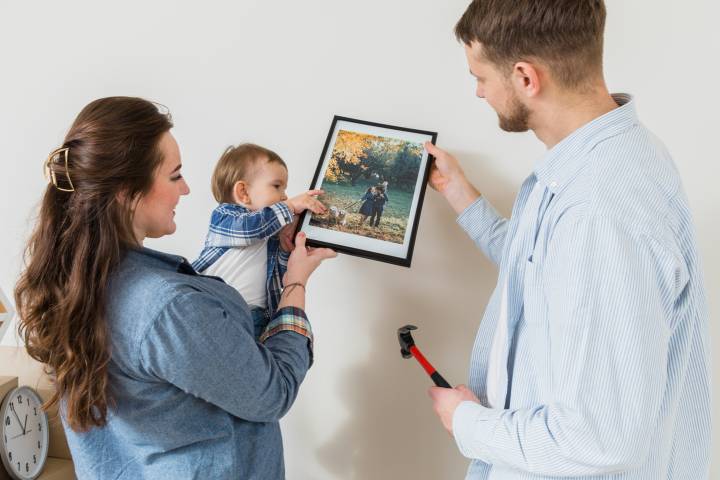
[518, 118]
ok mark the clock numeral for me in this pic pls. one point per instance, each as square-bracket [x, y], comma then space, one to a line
[34, 459]
[10, 456]
[35, 410]
[7, 421]
[39, 427]
[19, 398]
[18, 466]
[27, 467]
[12, 407]
[38, 443]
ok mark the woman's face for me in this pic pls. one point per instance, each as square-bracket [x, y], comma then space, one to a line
[155, 212]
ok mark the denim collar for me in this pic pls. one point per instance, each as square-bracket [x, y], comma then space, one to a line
[162, 260]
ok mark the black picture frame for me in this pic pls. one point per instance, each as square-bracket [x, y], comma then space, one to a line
[364, 245]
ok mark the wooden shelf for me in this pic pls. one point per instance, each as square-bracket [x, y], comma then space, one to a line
[58, 469]
[55, 469]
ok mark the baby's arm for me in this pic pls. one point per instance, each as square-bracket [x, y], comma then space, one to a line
[232, 228]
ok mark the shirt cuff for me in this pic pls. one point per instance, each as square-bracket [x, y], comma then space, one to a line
[478, 217]
[472, 426]
[283, 212]
[288, 319]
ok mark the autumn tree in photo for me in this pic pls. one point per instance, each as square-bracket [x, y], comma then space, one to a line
[357, 156]
[346, 162]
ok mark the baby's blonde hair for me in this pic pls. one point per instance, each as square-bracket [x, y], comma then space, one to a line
[235, 165]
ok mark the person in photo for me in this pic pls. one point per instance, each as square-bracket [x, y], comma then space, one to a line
[366, 209]
[379, 200]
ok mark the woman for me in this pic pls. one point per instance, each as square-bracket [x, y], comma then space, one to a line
[366, 208]
[156, 367]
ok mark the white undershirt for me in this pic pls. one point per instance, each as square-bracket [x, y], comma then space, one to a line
[244, 269]
[497, 354]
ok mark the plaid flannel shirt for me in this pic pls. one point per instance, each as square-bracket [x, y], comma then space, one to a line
[234, 226]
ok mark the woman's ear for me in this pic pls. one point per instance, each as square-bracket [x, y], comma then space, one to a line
[123, 199]
[240, 193]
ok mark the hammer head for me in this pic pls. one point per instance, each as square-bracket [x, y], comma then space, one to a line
[406, 340]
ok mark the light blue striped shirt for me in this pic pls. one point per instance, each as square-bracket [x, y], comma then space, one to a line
[608, 368]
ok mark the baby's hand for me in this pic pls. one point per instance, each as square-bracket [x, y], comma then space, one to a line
[307, 201]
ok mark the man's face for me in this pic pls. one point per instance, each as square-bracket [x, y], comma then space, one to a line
[495, 87]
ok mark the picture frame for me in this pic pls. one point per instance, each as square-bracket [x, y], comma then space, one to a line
[6, 313]
[374, 178]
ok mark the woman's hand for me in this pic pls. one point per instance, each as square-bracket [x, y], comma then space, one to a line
[303, 261]
[306, 201]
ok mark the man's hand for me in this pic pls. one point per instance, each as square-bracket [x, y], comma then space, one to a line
[446, 400]
[448, 178]
[306, 201]
[287, 235]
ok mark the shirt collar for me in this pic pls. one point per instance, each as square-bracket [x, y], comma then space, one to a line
[562, 162]
[162, 260]
[233, 207]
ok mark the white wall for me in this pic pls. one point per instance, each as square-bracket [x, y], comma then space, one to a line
[275, 73]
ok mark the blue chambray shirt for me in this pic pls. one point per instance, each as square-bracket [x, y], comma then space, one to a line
[197, 397]
[608, 368]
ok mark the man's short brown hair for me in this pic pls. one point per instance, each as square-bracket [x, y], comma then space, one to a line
[566, 35]
[237, 163]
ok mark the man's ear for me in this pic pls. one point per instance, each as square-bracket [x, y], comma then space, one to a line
[240, 193]
[526, 78]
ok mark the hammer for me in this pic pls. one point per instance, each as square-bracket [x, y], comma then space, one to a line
[408, 349]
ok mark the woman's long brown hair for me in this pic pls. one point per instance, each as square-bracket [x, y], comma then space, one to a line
[78, 241]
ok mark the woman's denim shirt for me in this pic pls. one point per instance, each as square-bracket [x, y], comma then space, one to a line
[195, 394]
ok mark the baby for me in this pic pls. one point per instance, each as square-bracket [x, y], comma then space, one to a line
[250, 236]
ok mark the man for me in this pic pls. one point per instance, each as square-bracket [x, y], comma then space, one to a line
[592, 359]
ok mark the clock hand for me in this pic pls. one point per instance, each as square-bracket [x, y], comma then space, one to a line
[20, 435]
[25, 424]
[18, 419]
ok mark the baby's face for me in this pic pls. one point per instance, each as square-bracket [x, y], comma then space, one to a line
[268, 185]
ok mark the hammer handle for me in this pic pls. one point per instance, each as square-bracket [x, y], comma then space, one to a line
[439, 380]
[434, 375]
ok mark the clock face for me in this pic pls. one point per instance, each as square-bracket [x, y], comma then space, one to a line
[25, 436]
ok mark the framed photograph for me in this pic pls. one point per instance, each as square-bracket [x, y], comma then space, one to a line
[6, 313]
[374, 177]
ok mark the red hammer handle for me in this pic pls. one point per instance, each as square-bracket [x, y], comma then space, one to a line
[423, 361]
[436, 377]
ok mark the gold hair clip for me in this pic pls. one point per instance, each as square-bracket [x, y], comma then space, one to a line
[50, 173]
